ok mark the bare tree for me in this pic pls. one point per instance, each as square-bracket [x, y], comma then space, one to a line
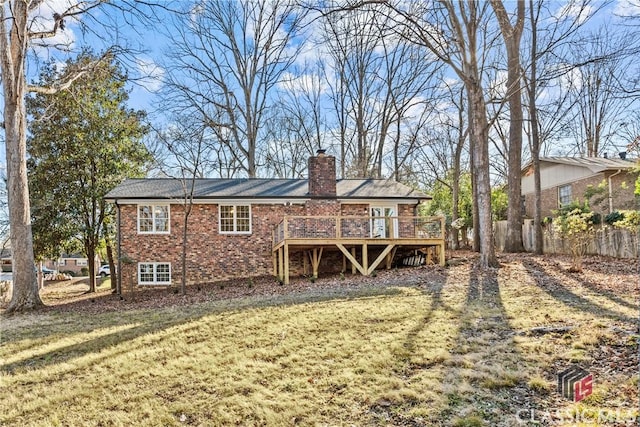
[549, 37]
[382, 85]
[512, 33]
[599, 92]
[455, 33]
[227, 57]
[185, 159]
[22, 27]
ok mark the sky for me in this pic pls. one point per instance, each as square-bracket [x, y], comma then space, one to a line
[149, 43]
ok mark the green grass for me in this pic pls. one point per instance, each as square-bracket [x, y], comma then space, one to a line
[452, 352]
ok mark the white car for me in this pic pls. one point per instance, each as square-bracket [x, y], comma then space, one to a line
[104, 270]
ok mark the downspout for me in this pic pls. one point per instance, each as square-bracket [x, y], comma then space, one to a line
[611, 192]
[119, 272]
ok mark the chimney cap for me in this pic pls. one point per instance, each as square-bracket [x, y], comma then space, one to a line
[320, 151]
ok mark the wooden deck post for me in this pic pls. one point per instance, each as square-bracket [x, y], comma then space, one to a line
[281, 264]
[274, 257]
[353, 254]
[286, 264]
[365, 259]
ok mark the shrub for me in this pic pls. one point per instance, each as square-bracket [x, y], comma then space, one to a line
[613, 217]
[577, 227]
[630, 220]
[84, 271]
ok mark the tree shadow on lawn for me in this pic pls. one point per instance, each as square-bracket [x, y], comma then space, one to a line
[152, 321]
[483, 364]
[593, 286]
[483, 379]
[556, 289]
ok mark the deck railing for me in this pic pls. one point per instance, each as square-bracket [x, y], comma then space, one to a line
[359, 227]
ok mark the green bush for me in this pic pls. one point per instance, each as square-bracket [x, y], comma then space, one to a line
[576, 226]
[630, 220]
[84, 271]
[613, 217]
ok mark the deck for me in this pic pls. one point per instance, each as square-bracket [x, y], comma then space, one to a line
[350, 234]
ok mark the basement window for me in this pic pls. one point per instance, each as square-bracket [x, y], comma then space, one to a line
[154, 273]
[235, 219]
[564, 195]
[153, 219]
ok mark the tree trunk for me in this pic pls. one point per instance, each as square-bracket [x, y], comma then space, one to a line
[25, 286]
[535, 139]
[512, 35]
[183, 257]
[112, 264]
[475, 244]
[480, 149]
[91, 258]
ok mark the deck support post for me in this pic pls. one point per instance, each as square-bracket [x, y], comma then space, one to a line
[378, 260]
[286, 264]
[353, 254]
[274, 257]
[281, 264]
[315, 261]
[352, 259]
[390, 256]
[365, 260]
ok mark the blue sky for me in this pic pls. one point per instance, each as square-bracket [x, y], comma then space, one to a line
[151, 44]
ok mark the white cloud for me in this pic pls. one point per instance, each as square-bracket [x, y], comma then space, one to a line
[627, 8]
[574, 9]
[151, 74]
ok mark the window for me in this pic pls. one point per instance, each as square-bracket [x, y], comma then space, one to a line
[81, 262]
[235, 219]
[154, 273]
[564, 195]
[153, 218]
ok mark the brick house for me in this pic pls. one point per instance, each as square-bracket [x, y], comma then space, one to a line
[566, 179]
[254, 227]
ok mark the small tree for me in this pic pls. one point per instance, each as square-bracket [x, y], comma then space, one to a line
[82, 143]
[575, 223]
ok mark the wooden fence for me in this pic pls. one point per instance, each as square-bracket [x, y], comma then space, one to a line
[608, 241]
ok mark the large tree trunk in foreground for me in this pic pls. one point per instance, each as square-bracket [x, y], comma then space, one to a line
[480, 148]
[512, 35]
[13, 48]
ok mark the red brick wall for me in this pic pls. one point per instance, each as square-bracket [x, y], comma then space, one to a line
[623, 198]
[322, 176]
[212, 256]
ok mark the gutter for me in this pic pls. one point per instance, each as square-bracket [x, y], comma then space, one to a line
[611, 191]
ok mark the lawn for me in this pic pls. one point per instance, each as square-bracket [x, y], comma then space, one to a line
[425, 346]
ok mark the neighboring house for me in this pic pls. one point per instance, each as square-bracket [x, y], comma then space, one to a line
[69, 262]
[5, 260]
[566, 179]
[240, 228]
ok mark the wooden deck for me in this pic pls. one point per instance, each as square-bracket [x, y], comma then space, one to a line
[353, 234]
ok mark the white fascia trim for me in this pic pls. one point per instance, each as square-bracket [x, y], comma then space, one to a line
[381, 202]
[246, 201]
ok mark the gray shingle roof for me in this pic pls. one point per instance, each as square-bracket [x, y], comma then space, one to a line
[594, 164]
[255, 188]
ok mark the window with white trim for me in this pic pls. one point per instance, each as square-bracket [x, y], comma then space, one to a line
[564, 195]
[154, 273]
[235, 219]
[153, 218]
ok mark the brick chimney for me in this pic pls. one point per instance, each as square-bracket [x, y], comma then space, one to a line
[322, 175]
